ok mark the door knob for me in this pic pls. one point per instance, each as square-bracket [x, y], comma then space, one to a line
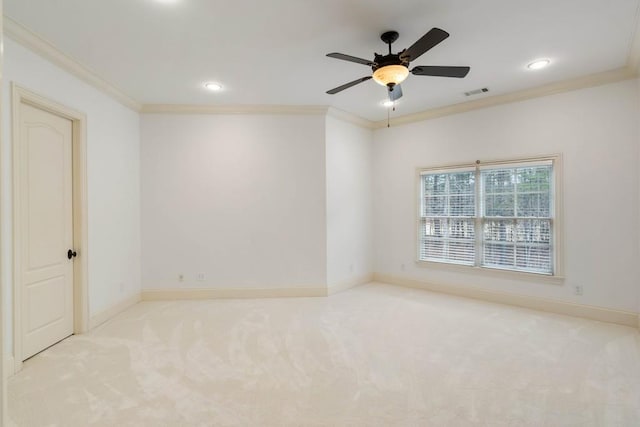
[71, 254]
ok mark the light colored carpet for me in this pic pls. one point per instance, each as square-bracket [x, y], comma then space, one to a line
[376, 355]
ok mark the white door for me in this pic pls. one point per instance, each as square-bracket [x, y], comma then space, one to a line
[46, 229]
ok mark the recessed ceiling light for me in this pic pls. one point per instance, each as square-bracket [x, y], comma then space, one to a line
[538, 64]
[213, 86]
[388, 103]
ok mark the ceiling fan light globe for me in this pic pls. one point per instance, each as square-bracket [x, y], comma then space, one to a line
[395, 74]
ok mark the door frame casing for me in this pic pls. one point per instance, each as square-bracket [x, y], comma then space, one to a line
[20, 95]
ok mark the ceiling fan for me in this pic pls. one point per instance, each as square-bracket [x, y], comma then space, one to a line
[392, 69]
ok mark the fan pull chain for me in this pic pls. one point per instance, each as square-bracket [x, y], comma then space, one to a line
[389, 115]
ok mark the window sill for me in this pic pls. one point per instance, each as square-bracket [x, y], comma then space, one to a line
[493, 272]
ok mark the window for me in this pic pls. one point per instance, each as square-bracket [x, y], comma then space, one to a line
[499, 216]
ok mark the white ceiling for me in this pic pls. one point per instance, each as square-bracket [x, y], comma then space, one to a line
[273, 52]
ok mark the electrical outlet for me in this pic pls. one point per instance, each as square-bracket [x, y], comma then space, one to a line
[351, 268]
[200, 277]
[180, 277]
[578, 290]
[402, 267]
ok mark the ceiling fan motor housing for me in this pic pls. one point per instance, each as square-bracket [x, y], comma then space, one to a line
[391, 59]
[381, 61]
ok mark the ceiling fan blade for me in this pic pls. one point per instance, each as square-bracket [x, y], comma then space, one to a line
[426, 42]
[350, 58]
[395, 93]
[427, 70]
[347, 85]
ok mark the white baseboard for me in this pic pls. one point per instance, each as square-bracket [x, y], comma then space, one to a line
[626, 318]
[219, 293]
[104, 315]
[8, 368]
[349, 283]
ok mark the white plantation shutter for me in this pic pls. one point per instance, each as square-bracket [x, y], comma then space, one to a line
[495, 216]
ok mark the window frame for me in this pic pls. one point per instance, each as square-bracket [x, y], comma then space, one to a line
[557, 275]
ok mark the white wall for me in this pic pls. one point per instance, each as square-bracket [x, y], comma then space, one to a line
[240, 198]
[595, 129]
[3, 382]
[113, 178]
[349, 202]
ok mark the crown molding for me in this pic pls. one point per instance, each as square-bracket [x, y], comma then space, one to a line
[592, 80]
[234, 109]
[584, 82]
[258, 109]
[47, 50]
[345, 116]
